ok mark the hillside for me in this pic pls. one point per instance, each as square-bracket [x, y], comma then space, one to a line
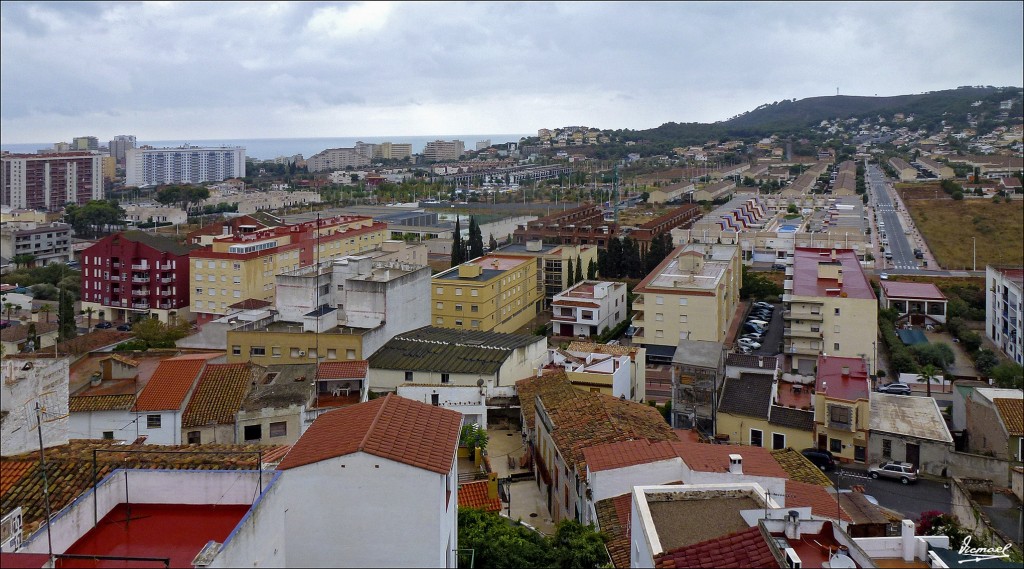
[787, 117]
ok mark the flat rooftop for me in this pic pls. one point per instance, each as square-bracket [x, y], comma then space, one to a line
[694, 266]
[806, 281]
[177, 532]
[686, 521]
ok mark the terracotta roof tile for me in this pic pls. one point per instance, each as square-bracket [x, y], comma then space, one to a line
[342, 370]
[11, 471]
[391, 427]
[1011, 411]
[822, 503]
[474, 495]
[87, 403]
[613, 520]
[170, 384]
[218, 396]
[625, 453]
[69, 470]
[746, 548]
[20, 333]
[703, 457]
[798, 468]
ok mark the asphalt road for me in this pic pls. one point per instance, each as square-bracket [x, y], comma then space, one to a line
[901, 249]
[910, 500]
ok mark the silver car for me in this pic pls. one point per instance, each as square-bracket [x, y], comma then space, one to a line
[902, 471]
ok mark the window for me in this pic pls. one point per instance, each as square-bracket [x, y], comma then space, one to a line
[458, 322]
[659, 316]
[835, 446]
[279, 429]
[236, 266]
[458, 307]
[886, 448]
[108, 435]
[659, 300]
[435, 399]
[252, 432]
[332, 354]
[194, 438]
[237, 280]
[837, 312]
[199, 290]
[756, 437]
[473, 292]
[446, 378]
[440, 290]
[682, 319]
[152, 421]
[458, 292]
[439, 321]
[294, 353]
[659, 333]
[350, 354]
[275, 351]
[236, 350]
[778, 441]
[408, 376]
[835, 329]
[839, 415]
[474, 308]
[836, 346]
[440, 306]
[258, 351]
[474, 323]
[682, 302]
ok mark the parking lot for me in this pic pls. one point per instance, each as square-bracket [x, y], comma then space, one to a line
[771, 343]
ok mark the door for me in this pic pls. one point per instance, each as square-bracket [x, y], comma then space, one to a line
[913, 454]
[822, 442]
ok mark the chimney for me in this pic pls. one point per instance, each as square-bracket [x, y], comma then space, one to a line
[833, 254]
[793, 525]
[907, 540]
[540, 371]
[95, 379]
[735, 464]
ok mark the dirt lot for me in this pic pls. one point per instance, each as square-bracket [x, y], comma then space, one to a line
[922, 191]
[949, 226]
[642, 214]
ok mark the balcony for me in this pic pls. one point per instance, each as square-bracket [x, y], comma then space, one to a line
[116, 265]
[140, 267]
[140, 292]
[166, 280]
[141, 305]
[791, 333]
[166, 305]
[114, 278]
[165, 292]
[787, 285]
[790, 315]
[163, 266]
[802, 350]
[136, 279]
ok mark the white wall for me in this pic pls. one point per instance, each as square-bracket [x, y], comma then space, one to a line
[92, 425]
[331, 523]
[44, 382]
[169, 432]
[466, 400]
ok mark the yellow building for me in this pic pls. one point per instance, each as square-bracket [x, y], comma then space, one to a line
[692, 295]
[279, 343]
[830, 308]
[108, 165]
[242, 266]
[554, 263]
[842, 412]
[751, 412]
[493, 293]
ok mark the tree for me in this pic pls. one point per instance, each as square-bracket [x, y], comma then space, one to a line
[578, 275]
[938, 355]
[591, 270]
[458, 253]
[9, 308]
[32, 338]
[23, 259]
[928, 374]
[44, 291]
[47, 310]
[473, 437]
[570, 275]
[500, 543]
[88, 315]
[493, 243]
[476, 240]
[95, 217]
[67, 328]
[1008, 375]
[183, 196]
[156, 334]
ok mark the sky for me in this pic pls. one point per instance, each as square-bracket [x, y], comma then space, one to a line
[189, 70]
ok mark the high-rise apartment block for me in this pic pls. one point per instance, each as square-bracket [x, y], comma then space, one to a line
[49, 181]
[338, 159]
[90, 143]
[119, 147]
[1004, 311]
[148, 166]
[393, 150]
[441, 150]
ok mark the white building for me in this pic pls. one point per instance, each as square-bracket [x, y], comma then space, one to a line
[1004, 312]
[47, 243]
[28, 384]
[338, 159]
[618, 371]
[148, 166]
[161, 404]
[446, 356]
[101, 410]
[472, 401]
[441, 150]
[154, 213]
[589, 308]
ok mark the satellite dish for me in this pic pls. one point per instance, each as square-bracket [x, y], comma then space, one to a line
[480, 382]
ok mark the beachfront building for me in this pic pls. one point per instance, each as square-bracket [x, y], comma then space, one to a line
[49, 181]
[148, 166]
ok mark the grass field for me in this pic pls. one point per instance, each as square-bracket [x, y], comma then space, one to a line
[948, 226]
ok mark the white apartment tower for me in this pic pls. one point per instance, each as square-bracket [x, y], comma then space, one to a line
[149, 166]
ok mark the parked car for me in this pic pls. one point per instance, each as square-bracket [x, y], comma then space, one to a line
[748, 343]
[126, 327]
[752, 328]
[760, 315]
[823, 459]
[764, 304]
[778, 267]
[888, 255]
[761, 323]
[104, 325]
[630, 332]
[895, 388]
[753, 335]
[902, 471]
[884, 276]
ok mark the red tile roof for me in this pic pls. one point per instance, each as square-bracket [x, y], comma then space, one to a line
[613, 520]
[218, 396]
[834, 384]
[474, 495]
[87, 403]
[342, 370]
[626, 453]
[171, 383]
[922, 291]
[391, 427]
[704, 457]
[1011, 411]
[822, 503]
[805, 274]
[746, 548]
[11, 471]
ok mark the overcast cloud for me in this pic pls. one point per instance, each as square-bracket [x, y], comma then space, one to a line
[168, 70]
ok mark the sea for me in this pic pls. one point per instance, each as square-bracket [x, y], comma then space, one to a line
[270, 148]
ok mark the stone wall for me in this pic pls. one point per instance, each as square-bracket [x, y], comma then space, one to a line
[970, 514]
[962, 464]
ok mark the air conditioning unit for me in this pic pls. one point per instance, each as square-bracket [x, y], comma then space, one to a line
[792, 559]
[302, 353]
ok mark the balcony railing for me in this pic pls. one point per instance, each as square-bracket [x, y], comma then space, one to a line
[841, 426]
[164, 293]
[790, 315]
[114, 278]
[141, 305]
[163, 266]
[140, 292]
[140, 279]
[166, 305]
[140, 267]
[797, 333]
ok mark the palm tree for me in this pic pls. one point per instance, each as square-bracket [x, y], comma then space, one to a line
[9, 308]
[47, 310]
[928, 373]
[88, 315]
[23, 259]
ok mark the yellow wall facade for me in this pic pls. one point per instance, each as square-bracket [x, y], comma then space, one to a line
[273, 348]
[504, 303]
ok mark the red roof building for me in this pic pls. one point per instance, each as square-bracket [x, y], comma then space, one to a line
[161, 405]
[742, 549]
[920, 303]
[480, 495]
[136, 274]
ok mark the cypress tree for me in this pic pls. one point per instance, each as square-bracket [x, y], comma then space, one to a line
[569, 274]
[458, 251]
[591, 270]
[66, 317]
[578, 275]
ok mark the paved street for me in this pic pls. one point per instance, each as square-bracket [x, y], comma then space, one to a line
[908, 500]
[885, 211]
